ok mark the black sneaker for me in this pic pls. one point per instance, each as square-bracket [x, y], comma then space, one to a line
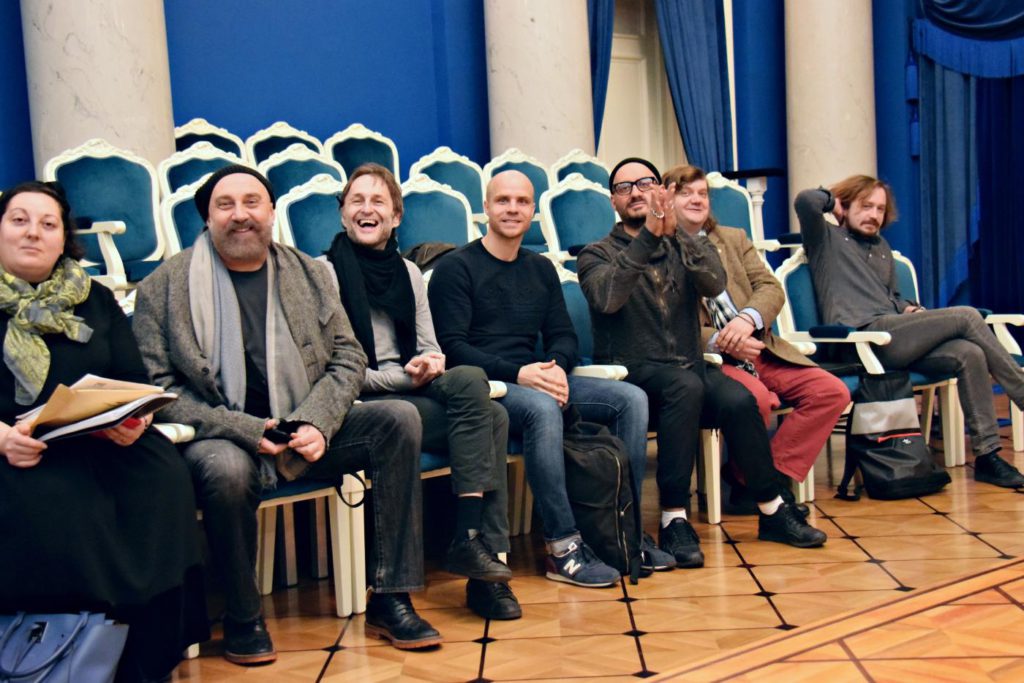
[681, 541]
[390, 616]
[492, 600]
[248, 644]
[788, 526]
[653, 558]
[992, 469]
[472, 558]
[787, 497]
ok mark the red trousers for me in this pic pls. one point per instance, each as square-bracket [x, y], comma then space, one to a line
[817, 397]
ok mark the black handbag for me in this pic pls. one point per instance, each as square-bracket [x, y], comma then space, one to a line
[59, 648]
[884, 441]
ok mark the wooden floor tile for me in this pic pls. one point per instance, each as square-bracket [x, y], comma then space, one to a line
[947, 546]
[899, 525]
[665, 651]
[835, 550]
[919, 573]
[553, 620]
[806, 608]
[449, 663]
[812, 578]
[868, 506]
[933, 670]
[993, 499]
[991, 522]
[704, 613]
[829, 652]
[290, 666]
[798, 672]
[1009, 543]
[693, 582]
[558, 657]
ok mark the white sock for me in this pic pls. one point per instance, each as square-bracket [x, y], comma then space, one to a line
[667, 516]
[771, 506]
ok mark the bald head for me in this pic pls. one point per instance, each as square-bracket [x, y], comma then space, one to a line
[509, 205]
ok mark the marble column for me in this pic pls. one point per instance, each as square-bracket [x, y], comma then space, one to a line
[98, 69]
[538, 77]
[830, 93]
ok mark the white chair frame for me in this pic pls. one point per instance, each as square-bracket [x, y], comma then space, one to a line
[200, 126]
[574, 182]
[361, 132]
[576, 156]
[299, 152]
[446, 155]
[421, 184]
[99, 148]
[203, 151]
[321, 183]
[185, 193]
[278, 129]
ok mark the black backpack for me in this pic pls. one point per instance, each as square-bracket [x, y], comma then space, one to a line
[884, 440]
[600, 489]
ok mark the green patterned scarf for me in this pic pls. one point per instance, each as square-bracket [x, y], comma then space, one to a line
[37, 310]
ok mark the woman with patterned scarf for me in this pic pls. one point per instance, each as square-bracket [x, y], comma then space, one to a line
[104, 522]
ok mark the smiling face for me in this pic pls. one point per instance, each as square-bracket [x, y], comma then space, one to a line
[509, 205]
[692, 206]
[632, 207]
[368, 213]
[31, 236]
[866, 213]
[241, 221]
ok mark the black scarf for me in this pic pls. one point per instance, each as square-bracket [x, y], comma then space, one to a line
[375, 278]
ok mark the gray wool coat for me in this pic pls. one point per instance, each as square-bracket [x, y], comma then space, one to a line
[334, 361]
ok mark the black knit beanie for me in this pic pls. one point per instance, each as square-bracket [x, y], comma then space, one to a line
[632, 160]
[205, 191]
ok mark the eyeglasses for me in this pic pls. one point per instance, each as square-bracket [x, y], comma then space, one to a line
[642, 184]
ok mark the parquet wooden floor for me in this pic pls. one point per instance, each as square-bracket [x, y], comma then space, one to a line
[922, 589]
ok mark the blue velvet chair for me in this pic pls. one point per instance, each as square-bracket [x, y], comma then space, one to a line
[201, 130]
[456, 171]
[800, 321]
[296, 165]
[275, 138]
[513, 159]
[434, 213]
[578, 161]
[179, 219]
[358, 145]
[109, 186]
[308, 216]
[188, 166]
[574, 213]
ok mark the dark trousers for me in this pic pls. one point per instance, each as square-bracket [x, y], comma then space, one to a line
[460, 419]
[382, 438]
[955, 340]
[681, 402]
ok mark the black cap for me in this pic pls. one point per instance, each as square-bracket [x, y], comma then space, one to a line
[632, 160]
[205, 191]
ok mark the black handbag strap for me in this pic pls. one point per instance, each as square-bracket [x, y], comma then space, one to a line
[341, 495]
[849, 468]
[83, 619]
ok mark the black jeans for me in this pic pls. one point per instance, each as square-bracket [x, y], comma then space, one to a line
[459, 418]
[682, 401]
[381, 437]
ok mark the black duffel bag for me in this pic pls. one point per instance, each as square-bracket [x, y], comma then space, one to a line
[884, 441]
[599, 485]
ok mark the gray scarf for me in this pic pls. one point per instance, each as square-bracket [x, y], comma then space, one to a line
[217, 323]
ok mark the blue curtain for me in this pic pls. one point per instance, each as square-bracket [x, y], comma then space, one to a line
[601, 20]
[692, 39]
[997, 279]
[949, 179]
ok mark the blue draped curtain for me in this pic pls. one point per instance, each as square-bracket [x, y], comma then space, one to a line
[961, 45]
[692, 39]
[601, 20]
[997, 279]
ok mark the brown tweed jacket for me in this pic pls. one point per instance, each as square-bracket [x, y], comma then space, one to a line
[750, 285]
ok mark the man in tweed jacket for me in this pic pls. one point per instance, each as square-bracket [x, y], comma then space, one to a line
[252, 337]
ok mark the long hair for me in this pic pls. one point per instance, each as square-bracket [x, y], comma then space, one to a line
[857, 186]
[72, 247]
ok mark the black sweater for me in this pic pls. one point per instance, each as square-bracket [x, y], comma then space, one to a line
[488, 312]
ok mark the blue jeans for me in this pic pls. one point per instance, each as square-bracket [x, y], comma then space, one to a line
[536, 419]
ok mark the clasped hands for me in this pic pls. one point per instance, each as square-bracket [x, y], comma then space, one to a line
[736, 339]
[307, 441]
[548, 377]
